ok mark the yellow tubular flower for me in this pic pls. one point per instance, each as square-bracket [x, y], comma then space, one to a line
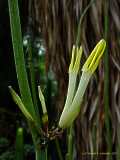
[69, 115]
[75, 60]
[94, 58]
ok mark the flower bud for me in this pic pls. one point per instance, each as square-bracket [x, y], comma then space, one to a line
[69, 115]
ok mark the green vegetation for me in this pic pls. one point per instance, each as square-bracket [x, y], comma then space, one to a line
[70, 109]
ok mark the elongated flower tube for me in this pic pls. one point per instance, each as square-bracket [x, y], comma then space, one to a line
[88, 69]
[73, 71]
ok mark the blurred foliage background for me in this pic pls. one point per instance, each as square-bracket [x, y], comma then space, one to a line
[52, 28]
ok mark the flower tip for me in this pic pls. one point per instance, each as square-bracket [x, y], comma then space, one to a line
[72, 58]
[93, 60]
[102, 43]
[75, 60]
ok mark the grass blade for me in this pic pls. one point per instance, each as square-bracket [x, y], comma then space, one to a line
[18, 101]
[19, 56]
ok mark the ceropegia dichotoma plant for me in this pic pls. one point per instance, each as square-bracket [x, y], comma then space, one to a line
[27, 101]
[73, 101]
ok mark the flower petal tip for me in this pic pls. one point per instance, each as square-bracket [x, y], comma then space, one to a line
[93, 60]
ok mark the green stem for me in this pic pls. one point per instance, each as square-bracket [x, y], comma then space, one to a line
[19, 152]
[78, 39]
[32, 80]
[69, 155]
[58, 149]
[37, 154]
[41, 154]
[70, 143]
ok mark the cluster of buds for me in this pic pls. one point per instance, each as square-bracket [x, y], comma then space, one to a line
[74, 99]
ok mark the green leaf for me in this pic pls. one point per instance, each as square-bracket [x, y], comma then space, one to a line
[20, 104]
[19, 56]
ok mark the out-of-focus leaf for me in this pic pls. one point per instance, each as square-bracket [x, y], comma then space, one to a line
[20, 104]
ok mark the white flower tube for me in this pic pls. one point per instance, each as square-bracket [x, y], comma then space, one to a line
[68, 117]
[73, 71]
[88, 69]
